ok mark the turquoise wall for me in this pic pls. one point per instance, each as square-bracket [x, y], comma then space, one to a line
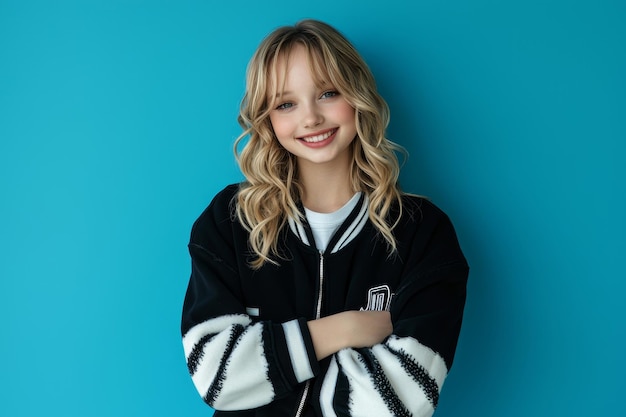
[116, 125]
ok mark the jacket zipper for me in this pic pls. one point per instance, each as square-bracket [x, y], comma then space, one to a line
[318, 310]
[318, 314]
[305, 393]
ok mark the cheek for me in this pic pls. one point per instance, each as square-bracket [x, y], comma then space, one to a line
[280, 126]
[346, 113]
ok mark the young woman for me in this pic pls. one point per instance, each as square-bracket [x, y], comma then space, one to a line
[318, 288]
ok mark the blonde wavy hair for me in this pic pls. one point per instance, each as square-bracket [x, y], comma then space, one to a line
[271, 192]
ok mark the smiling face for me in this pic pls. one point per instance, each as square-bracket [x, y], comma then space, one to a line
[311, 121]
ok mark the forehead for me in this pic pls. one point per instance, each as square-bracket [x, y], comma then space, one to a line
[296, 55]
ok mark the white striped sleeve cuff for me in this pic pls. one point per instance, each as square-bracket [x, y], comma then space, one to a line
[297, 351]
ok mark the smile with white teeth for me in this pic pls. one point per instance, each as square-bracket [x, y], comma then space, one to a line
[319, 138]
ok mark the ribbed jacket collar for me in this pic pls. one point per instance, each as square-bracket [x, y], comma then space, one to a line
[348, 230]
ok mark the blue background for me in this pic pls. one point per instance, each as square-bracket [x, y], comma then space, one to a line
[116, 125]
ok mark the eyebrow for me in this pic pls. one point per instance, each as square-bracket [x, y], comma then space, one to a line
[283, 93]
[287, 93]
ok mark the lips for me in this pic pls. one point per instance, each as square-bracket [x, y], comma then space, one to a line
[319, 137]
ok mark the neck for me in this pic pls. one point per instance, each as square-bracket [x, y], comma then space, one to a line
[325, 190]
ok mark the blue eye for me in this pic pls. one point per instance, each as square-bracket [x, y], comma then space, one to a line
[284, 106]
[330, 94]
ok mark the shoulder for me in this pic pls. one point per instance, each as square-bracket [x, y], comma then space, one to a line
[222, 203]
[224, 197]
[218, 216]
[420, 210]
[428, 230]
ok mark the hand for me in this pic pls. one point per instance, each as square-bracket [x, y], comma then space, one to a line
[366, 328]
[349, 329]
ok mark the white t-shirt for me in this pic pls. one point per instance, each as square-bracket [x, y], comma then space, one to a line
[323, 225]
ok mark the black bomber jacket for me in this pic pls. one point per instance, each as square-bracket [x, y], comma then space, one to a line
[245, 333]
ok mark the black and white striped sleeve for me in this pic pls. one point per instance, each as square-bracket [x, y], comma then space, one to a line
[216, 351]
[233, 367]
[401, 377]
[235, 362]
[404, 375]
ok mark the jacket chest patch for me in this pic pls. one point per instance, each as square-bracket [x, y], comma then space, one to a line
[378, 298]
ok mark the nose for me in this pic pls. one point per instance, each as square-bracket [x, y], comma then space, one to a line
[312, 116]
